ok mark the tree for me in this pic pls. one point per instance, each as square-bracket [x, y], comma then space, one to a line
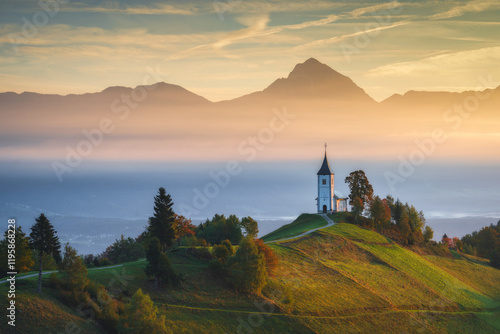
[141, 316]
[269, 256]
[73, 270]
[124, 250]
[220, 228]
[380, 213]
[183, 228]
[247, 268]
[251, 227]
[357, 208]
[223, 251]
[161, 225]
[159, 265]
[360, 187]
[23, 254]
[44, 239]
[428, 233]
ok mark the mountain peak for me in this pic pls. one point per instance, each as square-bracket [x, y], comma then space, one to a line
[315, 80]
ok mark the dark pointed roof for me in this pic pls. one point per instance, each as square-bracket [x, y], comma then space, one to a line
[325, 167]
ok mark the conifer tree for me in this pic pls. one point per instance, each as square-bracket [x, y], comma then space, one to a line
[44, 239]
[161, 225]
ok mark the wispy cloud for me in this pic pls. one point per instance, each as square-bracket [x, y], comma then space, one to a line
[440, 63]
[375, 8]
[474, 6]
[338, 39]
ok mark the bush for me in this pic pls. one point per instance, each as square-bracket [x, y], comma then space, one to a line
[141, 316]
[105, 262]
[217, 268]
[201, 253]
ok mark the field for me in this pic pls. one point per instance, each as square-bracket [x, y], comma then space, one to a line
[340, 279]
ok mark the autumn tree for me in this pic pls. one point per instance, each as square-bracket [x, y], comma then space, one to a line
[73, 271]
[360, 187]
[247, 268]
[380, 213]
[223, 251]
[269, 256]
[141, 316]
[161, 225]
[357, 208]
[23, 254]
[183, 228]
[44, 239]
[428, 233]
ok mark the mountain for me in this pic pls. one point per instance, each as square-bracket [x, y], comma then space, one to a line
[312, 80]
[167, 93]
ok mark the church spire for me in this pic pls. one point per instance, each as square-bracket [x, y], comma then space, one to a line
[325, 167]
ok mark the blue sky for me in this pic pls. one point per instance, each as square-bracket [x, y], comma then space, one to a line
[224, 49]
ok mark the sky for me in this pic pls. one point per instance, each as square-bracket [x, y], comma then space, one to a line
[225, 49]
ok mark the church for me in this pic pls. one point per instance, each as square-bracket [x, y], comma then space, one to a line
[329, 200]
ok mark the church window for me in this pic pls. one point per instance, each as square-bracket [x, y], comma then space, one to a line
[324, 181]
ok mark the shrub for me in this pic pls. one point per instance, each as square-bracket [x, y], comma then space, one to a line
[141, 316]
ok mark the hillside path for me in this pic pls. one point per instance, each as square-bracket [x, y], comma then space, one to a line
[53, 271]
[325, 217]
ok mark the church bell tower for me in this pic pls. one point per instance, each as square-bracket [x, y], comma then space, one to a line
[326, 193]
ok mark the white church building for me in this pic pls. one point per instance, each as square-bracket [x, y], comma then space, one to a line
[329, 200]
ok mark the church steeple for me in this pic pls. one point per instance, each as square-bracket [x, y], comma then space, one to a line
[325, 167]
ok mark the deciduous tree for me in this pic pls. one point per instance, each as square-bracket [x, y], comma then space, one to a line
[360, 187]
[24, 260]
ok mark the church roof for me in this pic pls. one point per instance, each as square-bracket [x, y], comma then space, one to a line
[325, 168]
[339, 195]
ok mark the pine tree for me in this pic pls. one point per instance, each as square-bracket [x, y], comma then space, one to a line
[44, 239]
[159, 265]
[161, 225]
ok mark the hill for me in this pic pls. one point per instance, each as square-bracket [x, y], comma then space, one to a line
[339, 279]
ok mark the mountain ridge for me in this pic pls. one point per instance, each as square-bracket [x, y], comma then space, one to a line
[308, 80]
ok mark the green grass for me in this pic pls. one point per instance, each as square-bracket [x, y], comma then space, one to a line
[356, 233]
[341, 279]
[303, 223]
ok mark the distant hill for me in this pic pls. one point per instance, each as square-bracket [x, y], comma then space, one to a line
[340, 279]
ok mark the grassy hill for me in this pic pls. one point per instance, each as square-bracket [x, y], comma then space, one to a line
[340, 279]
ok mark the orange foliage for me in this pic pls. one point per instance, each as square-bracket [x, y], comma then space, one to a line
[271, 258]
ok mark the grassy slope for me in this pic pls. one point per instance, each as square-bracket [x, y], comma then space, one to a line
[339, 279]
[303, 223]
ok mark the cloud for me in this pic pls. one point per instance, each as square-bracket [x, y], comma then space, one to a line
[109, 6]
[257, 28]
[365, 10]
[475, 6]
[440, 63]
[337, 39]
